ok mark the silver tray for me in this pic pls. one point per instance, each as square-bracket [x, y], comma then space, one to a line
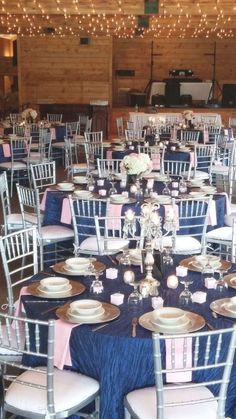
[196, 322]
[76, 289]
[60, 269]
[189, 263]
[111, 312]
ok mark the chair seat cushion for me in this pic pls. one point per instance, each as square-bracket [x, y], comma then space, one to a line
[15, 219]
[221, 170]
[183, 244]
[222, 233]
[15, 165]
[143, 403]
[55, 232]
[228, 219]
[200, 174]
[113, 245]
[59, 144]
[70, 389]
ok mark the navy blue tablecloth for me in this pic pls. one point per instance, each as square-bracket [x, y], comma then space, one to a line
[122, 363]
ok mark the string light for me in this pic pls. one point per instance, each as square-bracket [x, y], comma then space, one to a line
[69, 18]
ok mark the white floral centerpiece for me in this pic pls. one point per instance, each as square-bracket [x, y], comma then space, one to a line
[188, 115]
[29, 114]
[137, 164]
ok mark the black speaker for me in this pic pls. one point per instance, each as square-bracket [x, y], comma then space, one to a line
[85, 41]
[172, 93]
[158, 100]
[229, 95]
[14, 58]
[125, 73]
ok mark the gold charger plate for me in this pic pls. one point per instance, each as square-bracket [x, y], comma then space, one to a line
[230, 280]
[76, 289]
[189, 263]
[220, 307]
[111, 312]
[60, 269]
[196, 322]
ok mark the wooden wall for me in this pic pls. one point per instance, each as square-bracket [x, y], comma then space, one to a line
[197, 55]
[60, 70]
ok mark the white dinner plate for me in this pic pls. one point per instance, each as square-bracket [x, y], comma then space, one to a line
[195, 322]
[46, 291]
[85, 317]
[230, 280]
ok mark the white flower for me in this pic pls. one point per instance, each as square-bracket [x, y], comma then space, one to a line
[29, 112]
[135, 164]
[188, 114]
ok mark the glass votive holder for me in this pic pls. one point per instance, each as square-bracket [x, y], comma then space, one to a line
[96, 287]
[172, 281]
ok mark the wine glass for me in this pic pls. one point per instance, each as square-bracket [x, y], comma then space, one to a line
[135, 298]
[112, 190]
[97, 285]
[167, 258]
[185, 296]
[221, 285]
[166, 190]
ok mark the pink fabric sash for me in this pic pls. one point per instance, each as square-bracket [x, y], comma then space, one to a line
[181, 376]
[212, 220]
[6, 150]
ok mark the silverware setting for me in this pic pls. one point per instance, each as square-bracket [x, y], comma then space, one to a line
[134, 323]
[104, 325]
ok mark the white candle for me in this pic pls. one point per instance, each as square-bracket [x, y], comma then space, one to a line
[129, 277]
[172, 281]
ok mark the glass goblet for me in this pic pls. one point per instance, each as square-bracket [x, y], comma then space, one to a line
[96, 285]
[166, 190]
[221, 285]
[112, 190]
[135, 298]
[185, 296]
[167, 258]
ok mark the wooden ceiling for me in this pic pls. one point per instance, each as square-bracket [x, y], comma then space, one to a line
[213, 19]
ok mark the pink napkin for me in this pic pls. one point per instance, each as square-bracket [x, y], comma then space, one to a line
[109, 154]
[53, 133]
[227, 203]
[212, 220]
[44, 198]
[6, 150]
[62, 339]
[66, 212]
[174, 350]
[156, 161]
[18, 305]
[114, 210]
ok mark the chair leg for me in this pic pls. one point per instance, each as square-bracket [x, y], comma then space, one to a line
[127, 415]
[97, 407]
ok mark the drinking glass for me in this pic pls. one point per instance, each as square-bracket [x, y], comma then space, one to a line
[135, 298]
[167, 256]
[221, 285]
[185, 296]
[112, 190]
[166, 190]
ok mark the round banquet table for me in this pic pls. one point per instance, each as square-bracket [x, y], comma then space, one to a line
[120, 362]
[54, 201]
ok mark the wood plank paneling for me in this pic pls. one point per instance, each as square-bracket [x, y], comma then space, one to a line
[63, 71]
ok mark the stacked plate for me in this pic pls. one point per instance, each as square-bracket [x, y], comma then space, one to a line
[77, 265]
[163, 199]
[197, 194]
[86, 311]
[118, 199]
[83, 194]
[201, 261]
[54, 285]
[80, 180]
[198, 183]
[230, 306]
[225, 307]
[170, 318]
[65, 186]
[119, 148]
[209, 189]
[135, 256]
